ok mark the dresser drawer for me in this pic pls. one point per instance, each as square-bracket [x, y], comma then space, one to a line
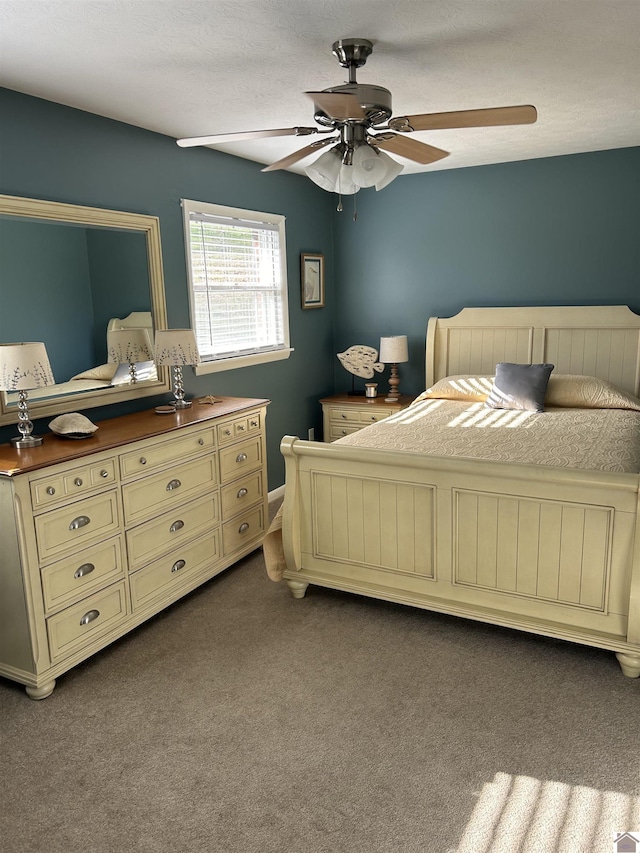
[80, 625]
[72, 578]
[152, 538]
[238, 496]
[154, 455]
[239, 427]
[241, 458]
[158, 493]
[54, 488]
[370, 417]
[77, 525]
[164, 578]
[239, 532]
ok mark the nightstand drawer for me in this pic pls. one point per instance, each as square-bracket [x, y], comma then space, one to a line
[77, 525]
[153, 456]
[242, 530]
[158, 493]
[339, 431]
[152, 538]
[374, 415]
[78, 626]
[337, 416]
[234, 461]
[75, 577]
[54, 488]
[163, 578]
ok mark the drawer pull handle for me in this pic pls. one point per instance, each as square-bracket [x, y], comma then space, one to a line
[143, 460]
[177, 525]
[179, 564]
[344, 432]
[344, 417]
[240, 428]
[104, 474]
[84, 569]
[227, 432]
[242, 493]
[172, 485]
[80, 521]
[241, 457]
[51, 490]
[89, 617]
[201, 441]
[77, 481]
[253, 423]
[243, 527]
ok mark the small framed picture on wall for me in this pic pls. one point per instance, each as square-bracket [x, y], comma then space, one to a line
[312, 280]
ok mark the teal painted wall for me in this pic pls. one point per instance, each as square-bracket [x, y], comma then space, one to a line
[551, 231]
[53, 152]
[51, 261]
[562, 230]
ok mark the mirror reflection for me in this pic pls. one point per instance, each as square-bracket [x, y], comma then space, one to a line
[69, 275]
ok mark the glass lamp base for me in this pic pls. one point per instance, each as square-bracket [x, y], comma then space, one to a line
[27, 441]
[182, 404]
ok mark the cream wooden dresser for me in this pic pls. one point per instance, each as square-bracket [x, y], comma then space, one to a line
[100, 534]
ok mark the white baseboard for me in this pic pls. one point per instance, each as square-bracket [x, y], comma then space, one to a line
[276, 494]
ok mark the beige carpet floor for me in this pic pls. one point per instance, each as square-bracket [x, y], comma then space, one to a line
[243, 721]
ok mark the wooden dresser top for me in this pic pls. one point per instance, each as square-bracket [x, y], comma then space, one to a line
[115, 432]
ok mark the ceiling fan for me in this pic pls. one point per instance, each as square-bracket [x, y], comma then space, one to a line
[357, 120]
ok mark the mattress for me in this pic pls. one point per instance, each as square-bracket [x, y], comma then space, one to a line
[589, 439]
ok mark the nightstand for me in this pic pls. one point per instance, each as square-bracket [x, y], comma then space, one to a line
[343, 414]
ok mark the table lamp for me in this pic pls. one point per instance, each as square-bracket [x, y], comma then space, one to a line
[23, 367]
[129, 346]
[394, 350]
[177, 348]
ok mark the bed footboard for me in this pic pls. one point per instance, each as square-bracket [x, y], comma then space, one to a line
[547, 550]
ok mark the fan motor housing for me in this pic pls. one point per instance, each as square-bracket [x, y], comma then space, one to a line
[374, 100]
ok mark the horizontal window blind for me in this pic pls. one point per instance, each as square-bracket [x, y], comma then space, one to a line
[238, 292]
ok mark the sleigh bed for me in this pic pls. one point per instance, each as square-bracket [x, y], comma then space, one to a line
[520, 519]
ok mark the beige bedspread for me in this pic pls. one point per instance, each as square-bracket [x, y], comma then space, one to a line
[591, 439]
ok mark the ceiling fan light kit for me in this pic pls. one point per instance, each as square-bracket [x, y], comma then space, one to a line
[361, 116]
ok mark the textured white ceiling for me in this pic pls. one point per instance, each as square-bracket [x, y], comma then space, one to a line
[196, 67]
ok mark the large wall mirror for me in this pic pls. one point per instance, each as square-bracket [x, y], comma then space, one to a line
[68, 274]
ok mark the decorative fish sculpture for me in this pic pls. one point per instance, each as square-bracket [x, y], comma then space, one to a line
[361, 361]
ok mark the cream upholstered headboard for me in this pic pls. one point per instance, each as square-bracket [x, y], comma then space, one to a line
[593, 340]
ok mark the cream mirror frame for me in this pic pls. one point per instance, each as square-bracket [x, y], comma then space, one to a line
[149, 226]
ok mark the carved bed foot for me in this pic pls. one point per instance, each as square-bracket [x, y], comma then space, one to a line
[41, 692]
[629, 664]
[298, 588]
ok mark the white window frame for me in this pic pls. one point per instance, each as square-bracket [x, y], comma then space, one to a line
[246, 360]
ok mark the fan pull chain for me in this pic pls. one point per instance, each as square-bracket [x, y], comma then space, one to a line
[339, 207]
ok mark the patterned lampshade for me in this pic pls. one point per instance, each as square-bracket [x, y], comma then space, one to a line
[176, 346]
[128, 346]
[24, 366]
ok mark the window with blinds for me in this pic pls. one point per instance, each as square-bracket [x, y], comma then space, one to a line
[238, 285]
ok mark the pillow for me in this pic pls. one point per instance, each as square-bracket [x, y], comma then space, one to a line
[519, 386]
[474, 389]
[103, 372]
[587, 392]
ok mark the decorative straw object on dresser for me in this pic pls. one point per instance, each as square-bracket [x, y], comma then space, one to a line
[23, 367]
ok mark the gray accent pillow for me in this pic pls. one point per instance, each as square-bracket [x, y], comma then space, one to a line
[519, 386]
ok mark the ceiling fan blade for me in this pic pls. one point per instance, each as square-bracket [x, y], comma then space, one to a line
[338, 106]
[300, 155]
[524, 114]
[245, 134]
[412, 149]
